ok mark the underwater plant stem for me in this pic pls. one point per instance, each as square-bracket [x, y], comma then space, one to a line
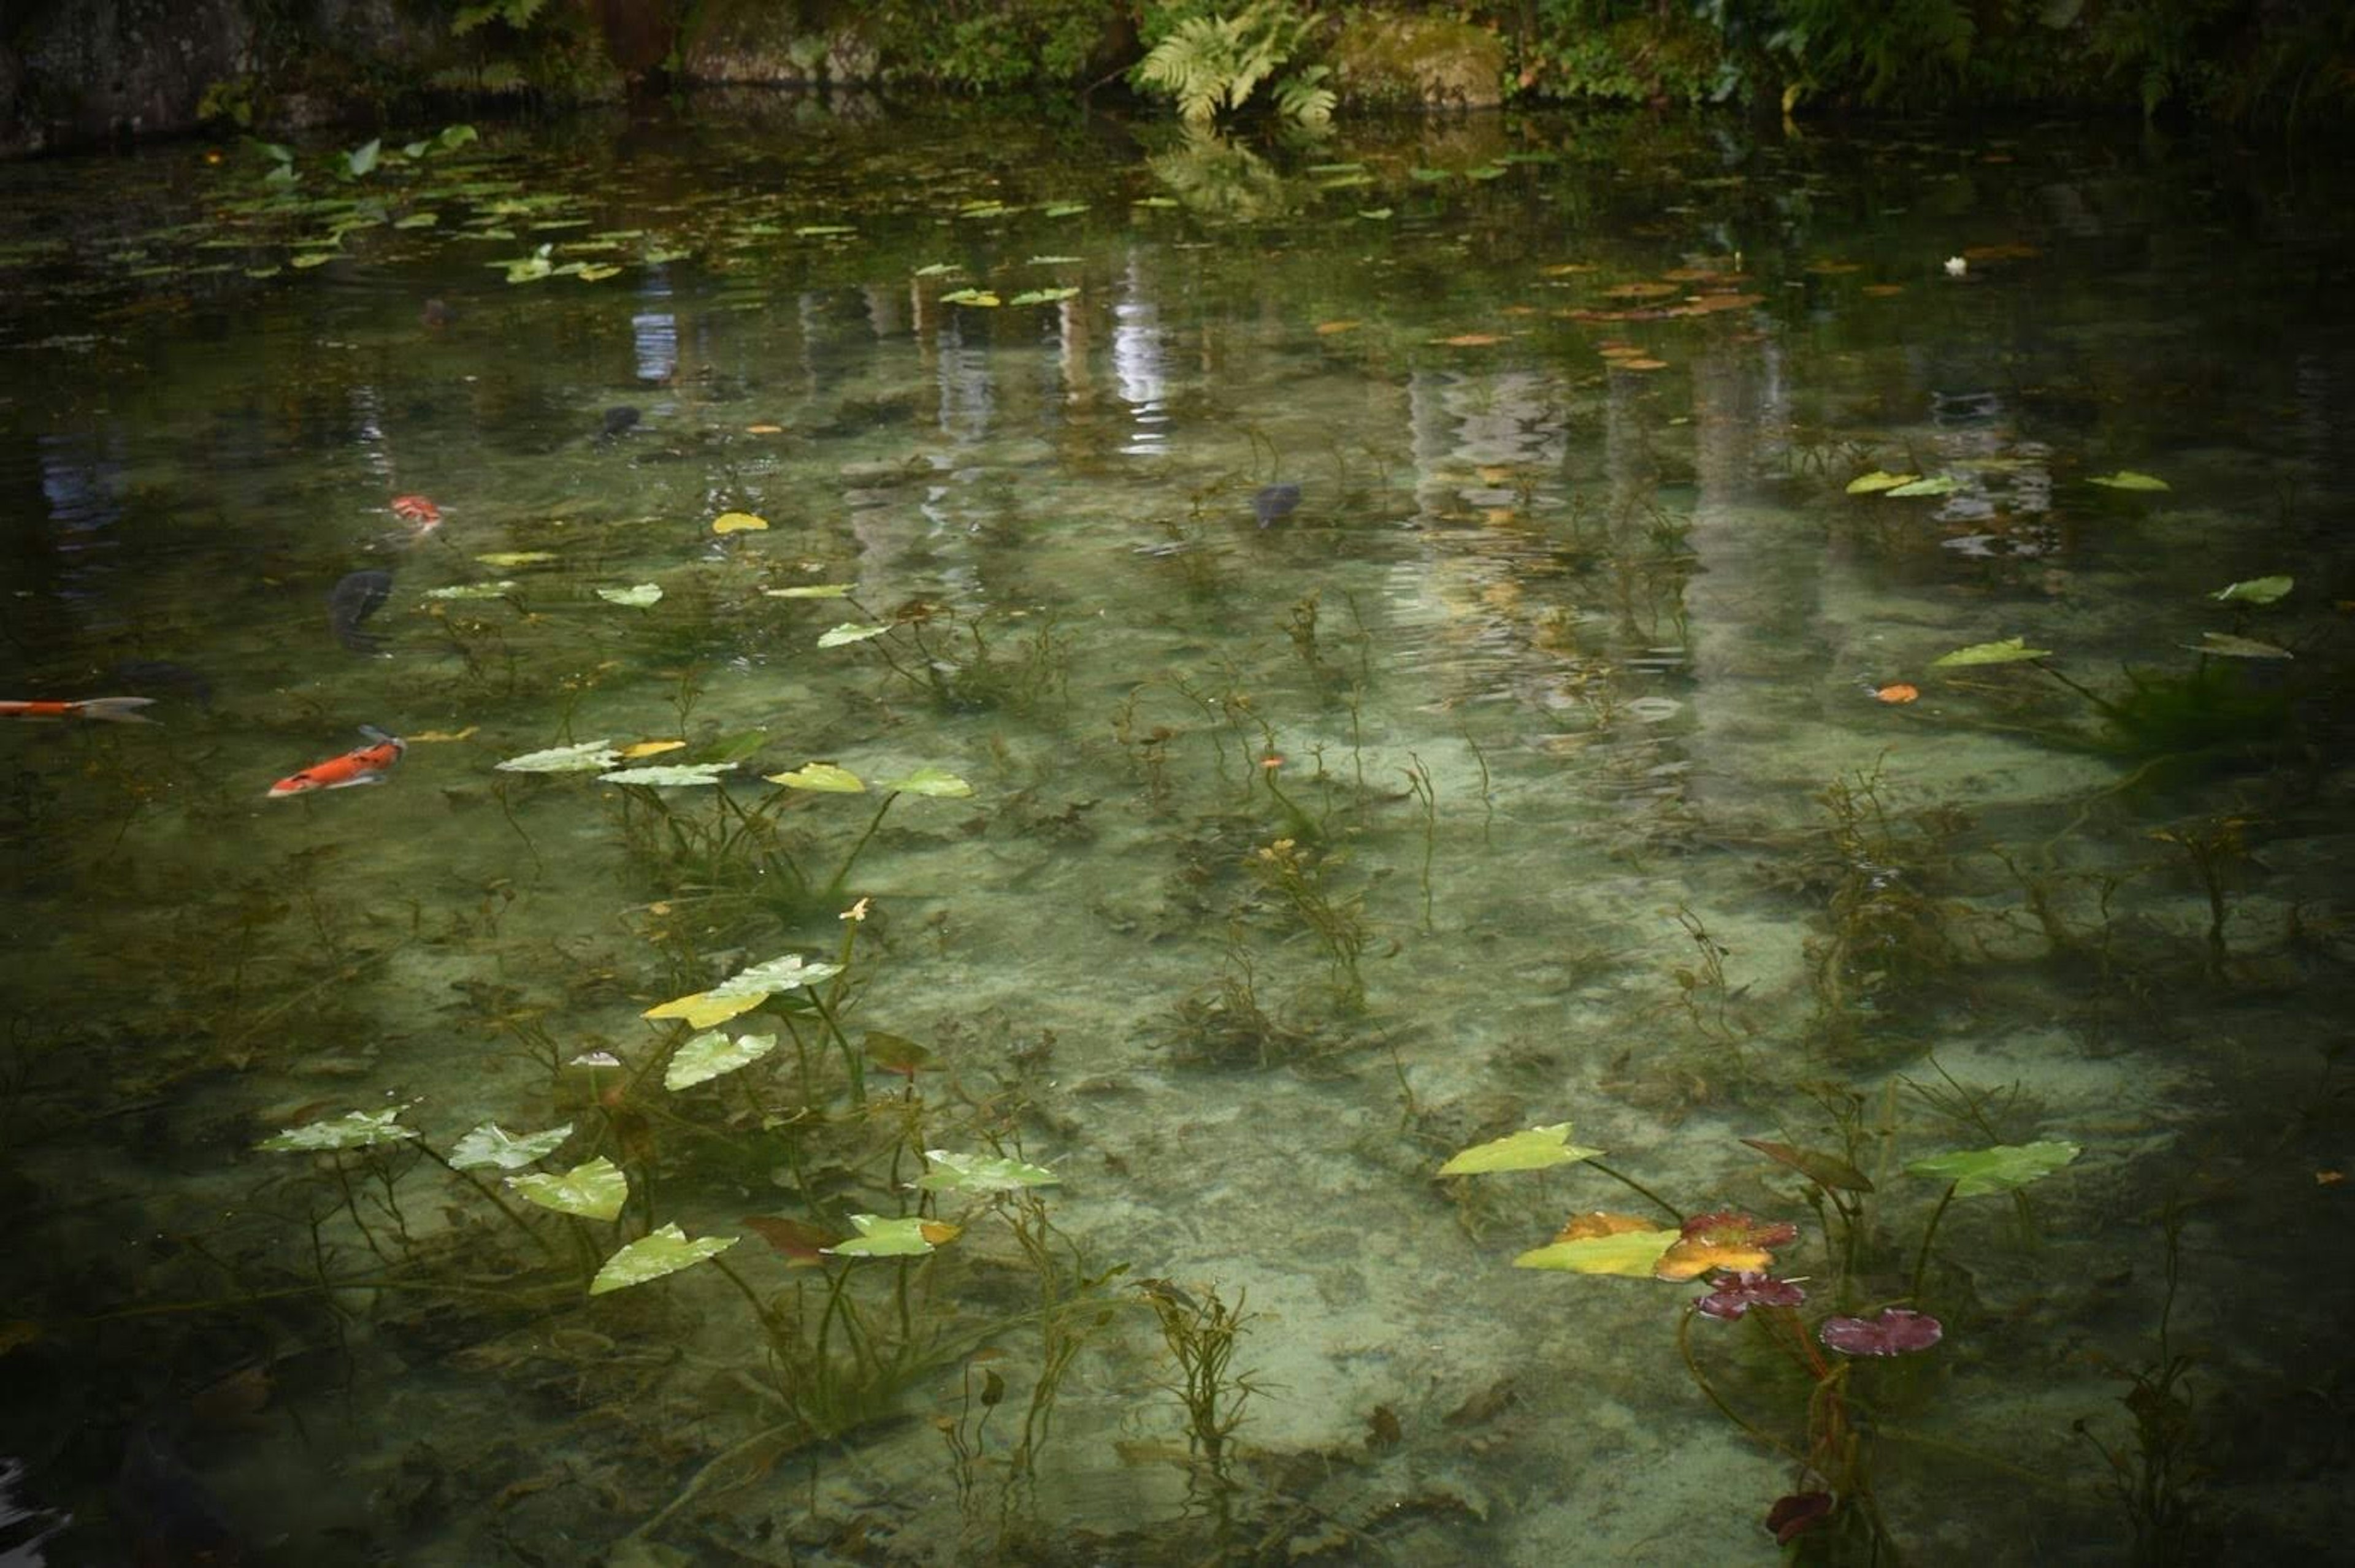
[485, 1188]
[1922, 1258]
[2107, 708]
[1709, 1391]
[842, 872]
[1624, 1180]
[759, 1309]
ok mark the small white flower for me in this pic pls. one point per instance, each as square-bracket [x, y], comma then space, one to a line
[1956, 266]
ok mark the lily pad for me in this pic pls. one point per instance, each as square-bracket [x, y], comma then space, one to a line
[1996, 1169]
[636, 597]
[931, 781]
[738, 523]
[811, 590]
[1940, 485]
[651, 747]
[1043, 297]
[1632, 1250]
[668, 776]
[909, 1236]
[595, 1190]
[2012, 650]
[981, 298]
[821, 776]
[517, 557]
[499, 589]
[353, 1129]
[2255, 591]
[851, 632]
[1532, 1149]
[588, 757]
[706, 1056]
[492, 1145]
[2127, 479]
[981, 1173]
[744, 990]
[654, 1254]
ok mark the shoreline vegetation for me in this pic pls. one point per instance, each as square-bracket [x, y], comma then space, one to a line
[78, 74]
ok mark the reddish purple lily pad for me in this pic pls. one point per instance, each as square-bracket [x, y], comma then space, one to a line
[1731, 1295]
[1894, 1332]
[1800, 1512]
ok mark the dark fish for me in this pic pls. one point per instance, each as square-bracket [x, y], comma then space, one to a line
[618, 417]
[147, 677]
[165, 1512]
[437, 313]
[1274, 503]
[355, 597]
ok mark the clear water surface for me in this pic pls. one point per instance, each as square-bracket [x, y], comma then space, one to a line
[1543, 757]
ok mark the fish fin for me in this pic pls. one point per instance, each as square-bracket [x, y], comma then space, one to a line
[116, 709]
[356, 780]
[382, 738]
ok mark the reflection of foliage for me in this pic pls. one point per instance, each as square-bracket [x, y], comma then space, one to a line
[516, 13]
[1214, 177]
[1209, 63]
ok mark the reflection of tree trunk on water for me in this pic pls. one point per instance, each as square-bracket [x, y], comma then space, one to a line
[639, 36]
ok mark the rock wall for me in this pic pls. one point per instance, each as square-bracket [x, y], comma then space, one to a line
[74, 72]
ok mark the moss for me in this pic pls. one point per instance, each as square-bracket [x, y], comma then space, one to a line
[1381, 61]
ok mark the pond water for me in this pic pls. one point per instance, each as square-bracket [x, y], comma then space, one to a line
[1328, 655]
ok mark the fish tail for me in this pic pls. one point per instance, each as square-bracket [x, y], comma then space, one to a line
[383, 739]
[114, 709]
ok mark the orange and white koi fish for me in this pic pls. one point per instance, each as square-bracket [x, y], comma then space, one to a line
[113, 709]
[418, 510]
[362, 765]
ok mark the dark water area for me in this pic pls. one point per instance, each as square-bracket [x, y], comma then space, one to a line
[1011, 735]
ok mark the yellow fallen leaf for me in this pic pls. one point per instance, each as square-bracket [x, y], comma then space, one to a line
[737, 522]
[702, 1009]
[1328, 328]
[764, 430]
[517, 557]
[651, 747]
[432, 735]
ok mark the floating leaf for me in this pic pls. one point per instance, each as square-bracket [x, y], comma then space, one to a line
[1724, 1239]
[636, 598]
[311, 259]
[653, 748]
[821, 776]
[588, 757]
[2012, 650]
[812, 591]
[594, 274]
[822, 230]
[850, 631]
[1604, 1243]
[517, 557]
[1996, 1169]
[595, 1190]
[1043, 297]
[1532, 1149]
[1868, 483]
[490, 1145]
[668, 776]
[1735, 1294]
[902, 1238]
[1942, 484]
[781, 973]
[362, 158]
[499, 589]
[654, 1254]
[354, 1129]
[2255, 591]
[1063, 210]
[979, 297]
[981, 1173]
[2224, 645]
[702, 1009]
[897, 1053]
[706, 1056]
[738, 522]
[1823, 1170]
[2127, 479]
[931, 781]
[1894, 1332]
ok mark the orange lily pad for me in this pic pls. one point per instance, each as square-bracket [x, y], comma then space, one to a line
[1724, 1239]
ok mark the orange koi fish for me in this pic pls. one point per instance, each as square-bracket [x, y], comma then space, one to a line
[113, 709]
[363, 765]
[417, 509]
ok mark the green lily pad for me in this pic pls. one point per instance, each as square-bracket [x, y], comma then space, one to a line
[981, 298]
[353, 1129]
[981, 1173]
[2224, 645]
[2255, 591]
[669, 775]
[822, 230]
[654, 1254]
[1532, 1149]
[2012, 650]
[1043, 297]
[1632, 1254]
[1941, 484]
[1996, 1169]
[1063, 210]
[780, 974]
[2127, 479]
[504, 557]
[933, 781]
[878, 1237]
[706, 1056]
[850, 631]
[636, 597]
[492, 1145]
[811, 590]
[588, 757]
[595, 1190]
[1876, 481]
[498, 590]
[822, 776]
